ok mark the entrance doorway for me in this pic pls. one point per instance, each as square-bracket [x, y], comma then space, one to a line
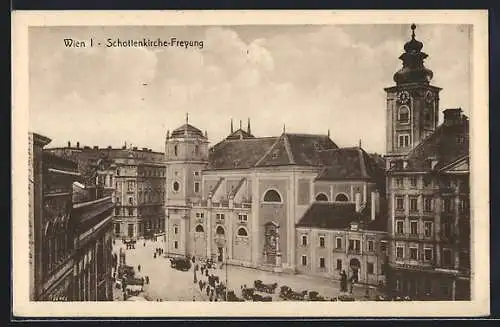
[130, 230]
[220, 256]
[355, 265]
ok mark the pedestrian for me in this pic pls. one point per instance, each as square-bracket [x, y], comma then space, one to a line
[194, 299]
[211, 298]
[147, 279]
[208, 290]
[193, 259]
[154, 255]
[144, 244]
[139, 268]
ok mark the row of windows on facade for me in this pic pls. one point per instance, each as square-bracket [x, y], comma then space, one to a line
[427, 181]
[414, 230]
[141, 211]
[353, 245]
[428, 255]
[221, 216]
[57, 245]
[131, 185]
[428, 204]
[148, 225]
[242, 231]
[370, 266]
[147, 172]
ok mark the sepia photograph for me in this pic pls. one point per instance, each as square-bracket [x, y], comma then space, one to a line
[226, 157]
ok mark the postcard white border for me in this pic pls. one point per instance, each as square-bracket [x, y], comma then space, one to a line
[480, 304]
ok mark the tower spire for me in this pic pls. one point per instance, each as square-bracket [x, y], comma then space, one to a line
[248, 127]
[284, 128]
[360, 143]
[186, 126]
[240, 123]
[187, 117]
[328, 133]
[413, 27]
[232, 130]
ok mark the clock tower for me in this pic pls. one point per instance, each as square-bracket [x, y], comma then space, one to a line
[412, 104]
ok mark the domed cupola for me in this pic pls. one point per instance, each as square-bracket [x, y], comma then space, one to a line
[413, 70]
[187, 131]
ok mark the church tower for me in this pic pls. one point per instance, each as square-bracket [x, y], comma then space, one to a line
[412, 104]
[186, 155]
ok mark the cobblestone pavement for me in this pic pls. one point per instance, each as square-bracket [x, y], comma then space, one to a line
[168, 284]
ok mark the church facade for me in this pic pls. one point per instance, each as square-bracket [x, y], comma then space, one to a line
[241, 200]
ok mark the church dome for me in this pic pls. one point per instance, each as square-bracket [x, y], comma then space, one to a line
[187, 130]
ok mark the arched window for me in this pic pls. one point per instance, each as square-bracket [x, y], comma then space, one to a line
[341, 197]
[272, 196]
[220, 230]
[199, 229]
[176, 186]
[175, 150]
[321, 197]
[404, 114]
[242, 232]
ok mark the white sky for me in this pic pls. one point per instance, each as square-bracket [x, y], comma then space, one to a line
[311, 78]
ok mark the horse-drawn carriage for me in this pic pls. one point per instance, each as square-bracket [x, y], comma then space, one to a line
[268, 288]
[314, 296]
[231, 297]
[346, 298]
[286, 293]
[179, 263]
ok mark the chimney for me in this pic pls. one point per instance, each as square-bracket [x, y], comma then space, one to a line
[96, 147]
[69, 144]
[109, 147]
[373, 205]
[452, 116]
[357, 200]
[248, 127]
[78, 145]
[232, 129]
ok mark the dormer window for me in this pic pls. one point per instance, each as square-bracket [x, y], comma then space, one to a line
[404, 114]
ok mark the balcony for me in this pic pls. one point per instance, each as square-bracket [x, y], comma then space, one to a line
[354, 251]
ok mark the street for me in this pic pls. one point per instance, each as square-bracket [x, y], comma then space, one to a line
[169, 284]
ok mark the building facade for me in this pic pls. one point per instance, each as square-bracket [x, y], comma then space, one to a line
[427, 187]
[240, 200]
[64, 232]
[134, 178]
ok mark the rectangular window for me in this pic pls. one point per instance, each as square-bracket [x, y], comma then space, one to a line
[117, 228]
[322, 241]
[370, 245]
[427, 254]
[197, 215]
[382, 269]
[399, 181]
[413, 227]
[339, 264]
[404, 140]
[243, 218]
[196, 187]
[201, 215]
[383, 247]
[369, 267]
[400, 227]
[130, 186]
[322, 262]
[464, 205]
[338, 243]
[399, 252]
[413, 181]
[176, 244]
[304, 240]
[413, 253]
[304, 260]
[176, 230]
[428, 229]
[130, 200]
[130, 211]
[357, 245]
[400, 204]
[447, 205]
[351, 245]
[447, 257]
[413, 204]
[117, 211]
[428, 204]
[196, 173]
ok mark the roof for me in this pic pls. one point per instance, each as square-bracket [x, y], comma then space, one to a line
[51, 160]
[188, 130]
[239, 134]
[287, 149]
[349, 163]
[446, 144]
[338, 216]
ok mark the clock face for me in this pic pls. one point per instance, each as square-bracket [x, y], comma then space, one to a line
[429, 97]
[404, 97]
